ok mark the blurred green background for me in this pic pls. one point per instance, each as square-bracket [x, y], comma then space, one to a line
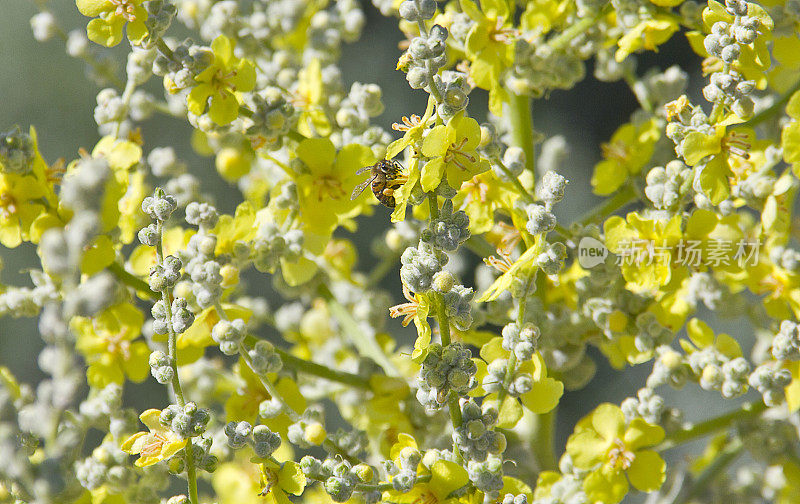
[40, 85]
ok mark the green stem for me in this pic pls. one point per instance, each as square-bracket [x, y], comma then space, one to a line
[191, 474]
[722, 460]
[622, 198]
[478, 245]
[383, 487]
[296, 136]
[172, 338]
[543, 442]
[511, 365]
[434, 205]
[748, 410]
[166, 298]
[127, 94]
[444, 321]
[423, 32]
[164, 49]
[382, 269]
[293, 415]
[364, 342]
[162, 108]
[444, 334]
[514, 180]
[719, 105]
[562, 40]
[452, 399]
[772, 109]
[561, 230]
[519, 108]
[312, 368]
[132, 281]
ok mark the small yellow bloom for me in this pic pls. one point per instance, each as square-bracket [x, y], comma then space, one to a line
[452, 148]
[226, 76]
[19, 206]
[156, 445]
[112, 15]
[109, 344]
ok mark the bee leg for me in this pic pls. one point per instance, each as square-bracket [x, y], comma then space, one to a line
[388, 191]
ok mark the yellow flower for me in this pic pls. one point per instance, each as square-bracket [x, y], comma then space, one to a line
[324, 189]
[143, 257]
[452, 148]
[19, 206]
[413, 128]
[648, 34]
[236, 228]
[604, 443]
[445, 478]
[646, 248]
[629, 150]
[199, 333]
[481, 196]
[107, 343]
[122, 157]
[131, 217]
[278, 480]
[224, 77]
[310, 98]
[112, 15]
[244, 403]
[543, 396]
[158, 444]
[489, 47]
[241, 483]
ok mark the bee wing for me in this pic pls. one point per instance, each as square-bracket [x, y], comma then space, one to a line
[363, 170]
[360, 188]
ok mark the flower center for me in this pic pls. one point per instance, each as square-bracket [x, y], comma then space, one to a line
[220, 80]
[330, 187]
[269, 478]
[155, 441]
[8, 205]
[617, 151]
[619, 457]
[737, 144]
[476, 189]
[499, 34]
[456, 155]
[427, 497]
[510, 237]
[125, 8]
[117, 344]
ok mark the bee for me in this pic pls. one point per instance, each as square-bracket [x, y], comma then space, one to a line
[385, 177]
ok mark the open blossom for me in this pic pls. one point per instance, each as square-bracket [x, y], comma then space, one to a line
[612, 449]
[324, 188]
[111, 17]
[19, 206]
[226, 76]
[110, 345]
[452, 149]
[157, 444]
